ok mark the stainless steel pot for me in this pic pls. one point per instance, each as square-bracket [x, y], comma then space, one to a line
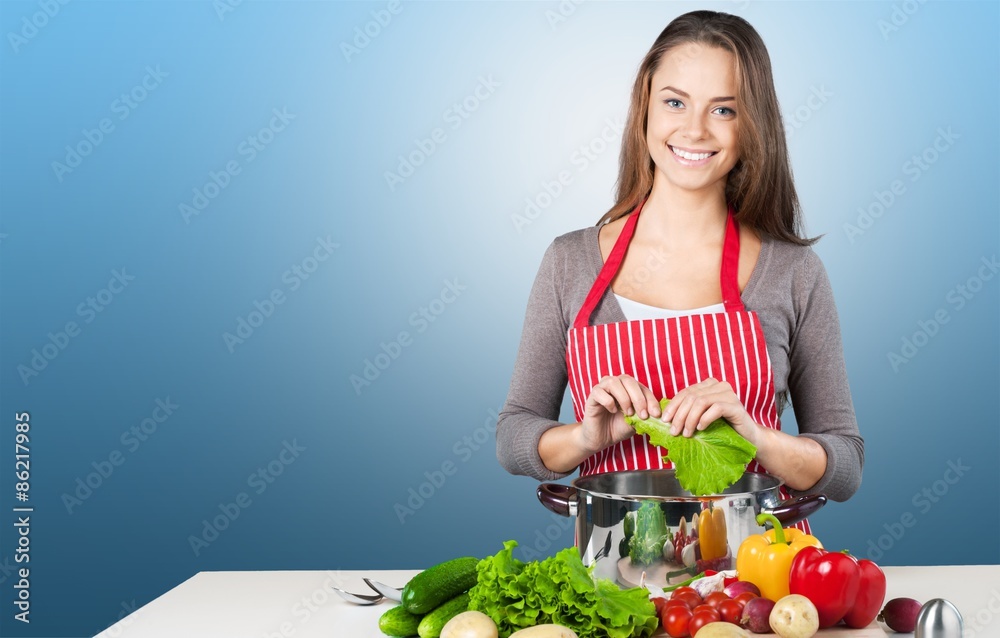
[606, 507]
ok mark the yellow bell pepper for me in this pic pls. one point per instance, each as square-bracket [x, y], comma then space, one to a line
[712, 533]
[766, 559]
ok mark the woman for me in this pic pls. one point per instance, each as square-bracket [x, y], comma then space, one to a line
[697, 286]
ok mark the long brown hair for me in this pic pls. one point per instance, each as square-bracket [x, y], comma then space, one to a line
[760, 186]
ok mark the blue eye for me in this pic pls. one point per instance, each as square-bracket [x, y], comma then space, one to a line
[728, 111]
[670, 101]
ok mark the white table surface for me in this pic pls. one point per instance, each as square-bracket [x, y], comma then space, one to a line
[282, 604]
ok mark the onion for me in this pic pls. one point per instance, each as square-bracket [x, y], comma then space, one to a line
[757, 614]
[735, 589]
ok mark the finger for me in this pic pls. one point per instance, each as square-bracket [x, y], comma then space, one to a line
[671, 410]
[606, 395]
[694, 406]
[639, 396]
[615, 386]
[670, 414]
[697, 405]
[600, 397]
[681, 405]
[652, 403]
[711, 407]
[714, 411]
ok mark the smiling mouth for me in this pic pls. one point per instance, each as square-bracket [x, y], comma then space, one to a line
[692, 157]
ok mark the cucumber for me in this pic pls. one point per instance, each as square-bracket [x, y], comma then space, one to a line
[437, 585]
[399, 622]
[434, 622]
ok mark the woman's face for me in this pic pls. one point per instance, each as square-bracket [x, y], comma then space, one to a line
[692, 121]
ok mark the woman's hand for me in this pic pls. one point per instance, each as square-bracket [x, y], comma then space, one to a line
[798, 461]
[696, 406]
[604, 413]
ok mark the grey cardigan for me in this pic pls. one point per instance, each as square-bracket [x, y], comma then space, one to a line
[788, 289]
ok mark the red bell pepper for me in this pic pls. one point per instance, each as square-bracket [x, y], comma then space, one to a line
[871, 595]
[831, 580]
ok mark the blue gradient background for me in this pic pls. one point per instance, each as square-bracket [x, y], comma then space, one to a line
[323, 176]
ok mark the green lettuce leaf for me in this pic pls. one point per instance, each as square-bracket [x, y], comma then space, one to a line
[708, 462]
[561, 590]
[646, 544]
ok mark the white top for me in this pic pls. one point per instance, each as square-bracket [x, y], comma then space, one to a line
[634, 311]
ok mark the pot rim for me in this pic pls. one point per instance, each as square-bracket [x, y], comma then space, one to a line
[580, 484]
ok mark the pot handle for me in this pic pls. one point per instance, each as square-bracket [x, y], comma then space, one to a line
[797, 509]
[558, 498]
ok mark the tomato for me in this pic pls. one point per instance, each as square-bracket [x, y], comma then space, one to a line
[701, 619]
[715, 599]
[675, 620]
[675, 601]
[731, 610]
[703, 607]
[659, 603]
[686, 589]
[745, 597]
[690, 597]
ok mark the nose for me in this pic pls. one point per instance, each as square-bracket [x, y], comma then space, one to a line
[694, 125]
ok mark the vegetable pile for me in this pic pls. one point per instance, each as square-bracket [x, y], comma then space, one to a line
[686, 612]
[766, 559]
[560, 590]
[706, 463]
[431, 599]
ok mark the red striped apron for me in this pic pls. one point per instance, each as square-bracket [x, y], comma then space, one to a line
[668, 355]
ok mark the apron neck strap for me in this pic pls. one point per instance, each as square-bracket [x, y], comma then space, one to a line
[728, 275]
[609, 270]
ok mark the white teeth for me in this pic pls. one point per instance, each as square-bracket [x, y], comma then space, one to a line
[694, 157]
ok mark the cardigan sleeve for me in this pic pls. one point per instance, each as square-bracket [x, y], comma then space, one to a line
[818, 387]
[539, 379]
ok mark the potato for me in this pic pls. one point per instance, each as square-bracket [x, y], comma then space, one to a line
[470, 624]
[722, 630]
[544, 631]
[794, 616]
